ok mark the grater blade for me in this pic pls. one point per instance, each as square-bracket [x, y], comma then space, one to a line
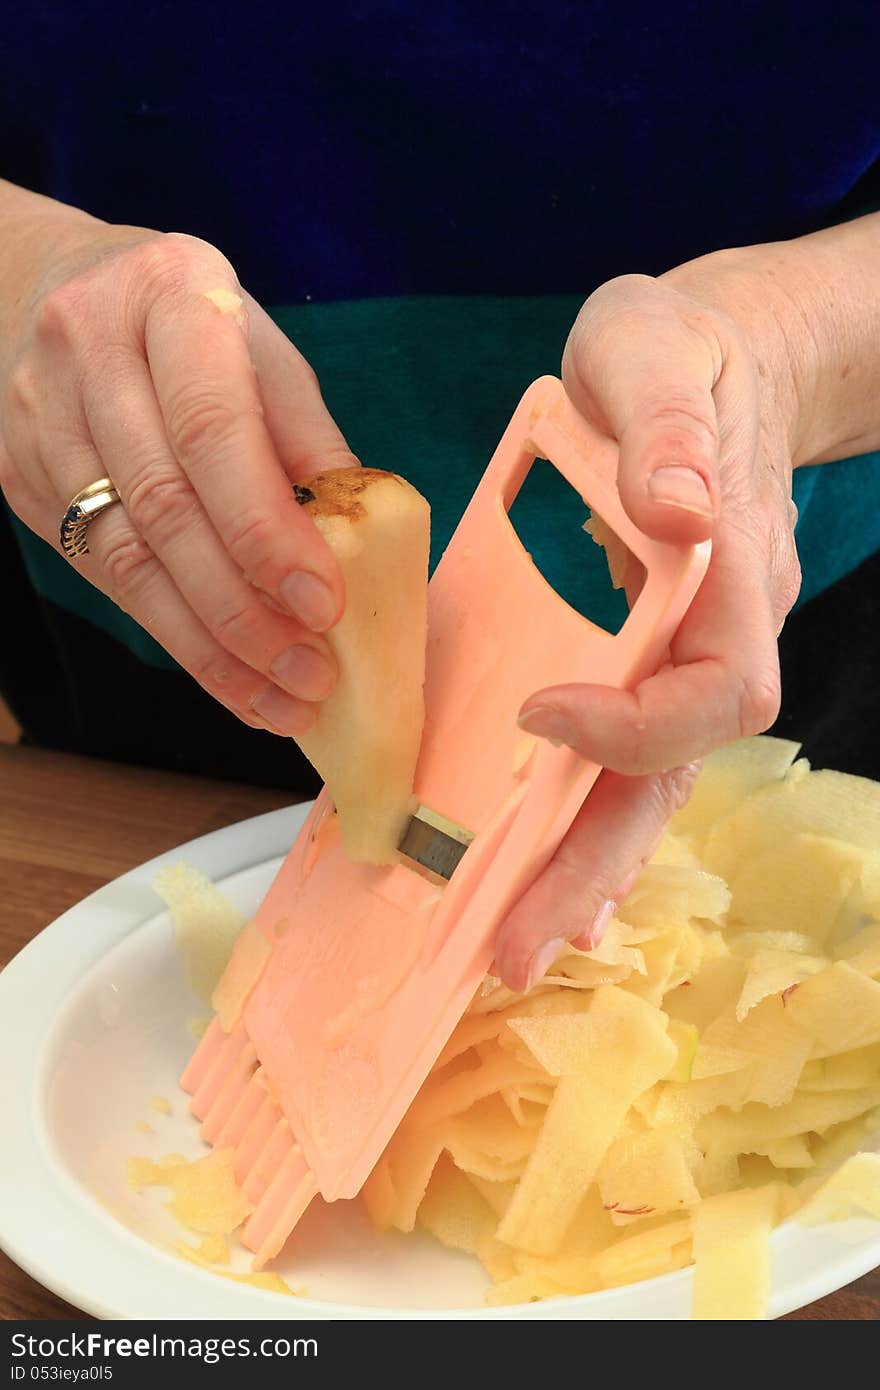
[434, 842]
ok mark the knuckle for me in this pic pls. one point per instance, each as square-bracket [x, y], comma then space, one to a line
[22, 390]
[61, 313]
[168, 260]
[785, 571]
[614, 315]
[164, 267]
[632, 282]
[326, 459]
[196, 249]
[214, 671]
[128, 564]
[681, 417]
[218, 673]
[776, 547]
[234, 627]
[625, 295]
[161, 502]
[611, 330]
[758, 701]
[164, 262]
[626, 308]
[788, 585]
[200, 421]
[251, 543]
[678, 783]
[568, 870]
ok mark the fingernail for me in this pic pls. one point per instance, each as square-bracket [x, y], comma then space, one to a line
[592, 935]
[282, 713]
[308, 598]
[304, 672]
[599, 924]
[542, 960]
[548, 723]
[676, 485]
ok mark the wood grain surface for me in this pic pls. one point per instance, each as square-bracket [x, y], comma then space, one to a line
[69, 824]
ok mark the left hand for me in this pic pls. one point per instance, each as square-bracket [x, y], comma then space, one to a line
[137, 355]
[703, 413]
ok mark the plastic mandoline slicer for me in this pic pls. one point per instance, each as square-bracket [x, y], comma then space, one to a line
[344, 988]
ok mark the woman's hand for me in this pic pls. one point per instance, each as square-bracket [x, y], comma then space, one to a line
[137, 355]
[703, 414]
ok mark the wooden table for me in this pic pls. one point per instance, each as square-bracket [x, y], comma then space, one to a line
[67, 825]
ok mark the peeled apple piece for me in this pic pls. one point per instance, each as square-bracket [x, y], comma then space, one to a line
[798, 884]
[644, 1175]
[732, 1254]
[206, 925]
[836, 805]
[366, 741]
[853, 1190]
[729, 776]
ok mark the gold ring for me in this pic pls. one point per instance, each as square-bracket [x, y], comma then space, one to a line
[82, 510]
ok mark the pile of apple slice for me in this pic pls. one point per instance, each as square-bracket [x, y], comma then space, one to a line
[674, 1094]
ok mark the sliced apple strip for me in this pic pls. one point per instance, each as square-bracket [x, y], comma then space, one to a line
[366, 742]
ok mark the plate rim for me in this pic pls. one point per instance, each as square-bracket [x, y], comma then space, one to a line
[112, 1274]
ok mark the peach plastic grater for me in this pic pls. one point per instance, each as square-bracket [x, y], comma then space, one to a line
[354, 976]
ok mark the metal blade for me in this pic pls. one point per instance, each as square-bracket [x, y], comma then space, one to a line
[434, 842]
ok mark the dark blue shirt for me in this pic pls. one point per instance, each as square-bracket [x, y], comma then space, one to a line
[374, 147]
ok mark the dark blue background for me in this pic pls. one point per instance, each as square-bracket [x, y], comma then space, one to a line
[353, 149]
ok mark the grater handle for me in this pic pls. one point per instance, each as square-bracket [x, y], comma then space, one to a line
[498, 631]
[558, 780]
[547, 425]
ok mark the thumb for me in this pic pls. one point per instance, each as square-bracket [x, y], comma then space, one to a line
[306, 436]
[636, 368]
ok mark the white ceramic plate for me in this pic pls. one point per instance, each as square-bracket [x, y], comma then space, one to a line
[94, 1023]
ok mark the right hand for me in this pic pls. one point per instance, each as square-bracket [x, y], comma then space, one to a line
[136, 355]
[704, 428]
